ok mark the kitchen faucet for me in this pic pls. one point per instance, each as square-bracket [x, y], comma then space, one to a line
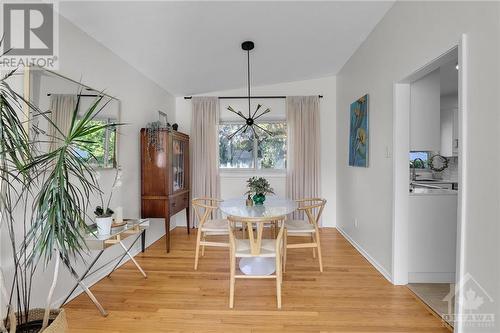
[414, 167]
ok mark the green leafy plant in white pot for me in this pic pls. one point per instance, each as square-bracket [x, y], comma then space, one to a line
[57, 184]
[104, 216]
[103, 220]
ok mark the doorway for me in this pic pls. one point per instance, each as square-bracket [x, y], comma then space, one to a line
[411, 249]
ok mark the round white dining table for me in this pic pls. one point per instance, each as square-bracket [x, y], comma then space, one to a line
[272, 207]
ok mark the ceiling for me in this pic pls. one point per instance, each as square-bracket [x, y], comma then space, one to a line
[194, 47]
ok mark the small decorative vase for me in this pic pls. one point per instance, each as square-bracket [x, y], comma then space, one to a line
[104, 225]
[259, 199]
[249, 201]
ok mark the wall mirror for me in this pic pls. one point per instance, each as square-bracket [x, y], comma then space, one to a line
[59, 96]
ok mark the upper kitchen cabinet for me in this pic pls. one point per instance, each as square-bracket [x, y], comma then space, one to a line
[425, 115]
[449, 108]
[449, 125]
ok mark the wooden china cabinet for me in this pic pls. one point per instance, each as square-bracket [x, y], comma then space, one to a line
[165, 177]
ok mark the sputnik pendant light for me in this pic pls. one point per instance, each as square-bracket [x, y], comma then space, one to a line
[250, 120]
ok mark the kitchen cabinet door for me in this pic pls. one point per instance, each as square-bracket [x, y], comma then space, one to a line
[425, 114]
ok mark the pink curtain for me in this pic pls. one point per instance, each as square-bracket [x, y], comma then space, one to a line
[205, 148]
[303, 169]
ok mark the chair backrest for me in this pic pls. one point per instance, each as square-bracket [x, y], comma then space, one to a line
[204, 207]
[313, 207]
[254, 238]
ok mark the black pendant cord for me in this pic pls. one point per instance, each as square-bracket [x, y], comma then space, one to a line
[248, 74]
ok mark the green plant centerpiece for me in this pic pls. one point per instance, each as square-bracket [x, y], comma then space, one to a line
[259, 187]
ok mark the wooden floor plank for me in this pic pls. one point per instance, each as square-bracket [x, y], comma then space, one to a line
[349, 296]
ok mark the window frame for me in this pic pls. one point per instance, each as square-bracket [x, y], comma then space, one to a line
[429, 155]
[254, 169]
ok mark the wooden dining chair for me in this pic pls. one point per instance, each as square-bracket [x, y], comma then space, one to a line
[204, 209]
[312, 207]
[255, 246]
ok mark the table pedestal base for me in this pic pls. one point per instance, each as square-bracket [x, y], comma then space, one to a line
[258, 266]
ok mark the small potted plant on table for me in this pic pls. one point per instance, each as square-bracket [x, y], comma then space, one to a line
[104, 216]
[259, 187]
[103, 220]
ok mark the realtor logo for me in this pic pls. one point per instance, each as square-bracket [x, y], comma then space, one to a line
[29, 35]
[471, 298]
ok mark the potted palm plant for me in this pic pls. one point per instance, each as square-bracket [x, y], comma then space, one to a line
[259, 187]
[58, 184]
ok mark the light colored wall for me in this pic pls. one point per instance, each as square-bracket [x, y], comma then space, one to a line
[84, 59]
[233, 184]
[409, 36]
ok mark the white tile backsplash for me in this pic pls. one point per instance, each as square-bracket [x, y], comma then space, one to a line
[451, 172]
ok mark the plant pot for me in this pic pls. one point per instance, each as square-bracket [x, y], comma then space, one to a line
[259, 199]
[57, 322]
[104, 225]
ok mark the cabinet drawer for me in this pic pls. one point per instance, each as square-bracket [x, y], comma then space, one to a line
[178, 203]
[153, 208]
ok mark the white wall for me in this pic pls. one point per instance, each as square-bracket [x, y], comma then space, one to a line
[232, 184]
[82, 58]
[409, 36]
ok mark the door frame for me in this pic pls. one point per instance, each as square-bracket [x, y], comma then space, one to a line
[401, 148]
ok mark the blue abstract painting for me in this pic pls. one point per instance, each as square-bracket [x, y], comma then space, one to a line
[358, 134]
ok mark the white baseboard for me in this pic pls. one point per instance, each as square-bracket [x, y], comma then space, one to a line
[365, 254]
[431, 277]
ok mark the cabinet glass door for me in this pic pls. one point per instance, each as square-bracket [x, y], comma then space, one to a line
[178, 165]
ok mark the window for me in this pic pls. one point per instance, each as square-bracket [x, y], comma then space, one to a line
[99, 147]
[423, 155]
[244, 151]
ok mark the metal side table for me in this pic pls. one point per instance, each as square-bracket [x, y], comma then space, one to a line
[100, 243]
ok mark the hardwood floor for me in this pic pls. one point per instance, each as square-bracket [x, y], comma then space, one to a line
[349, 296]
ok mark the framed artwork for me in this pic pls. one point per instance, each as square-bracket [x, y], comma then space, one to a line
[359, 134]
[162, 118]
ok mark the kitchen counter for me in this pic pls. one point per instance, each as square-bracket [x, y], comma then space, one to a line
[432, 191]
[436, 181]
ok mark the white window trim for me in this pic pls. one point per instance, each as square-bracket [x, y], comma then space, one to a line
[254, 171]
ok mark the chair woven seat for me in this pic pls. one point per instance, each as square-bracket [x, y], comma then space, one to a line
[299, 226]
[219, 226]
[267, 248]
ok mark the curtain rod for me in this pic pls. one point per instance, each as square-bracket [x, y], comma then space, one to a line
[245, 97]
[85, 95]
